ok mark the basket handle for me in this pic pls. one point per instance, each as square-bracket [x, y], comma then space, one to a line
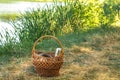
[48, 36]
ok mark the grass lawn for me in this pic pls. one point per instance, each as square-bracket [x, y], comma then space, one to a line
[90, 55]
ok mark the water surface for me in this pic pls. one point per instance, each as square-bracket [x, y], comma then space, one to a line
[18, 7]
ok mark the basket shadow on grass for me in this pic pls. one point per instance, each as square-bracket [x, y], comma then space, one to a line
[31, 70]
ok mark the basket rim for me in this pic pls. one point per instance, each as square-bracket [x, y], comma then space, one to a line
[36, 54]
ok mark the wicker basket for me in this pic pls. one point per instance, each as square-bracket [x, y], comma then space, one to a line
[47, 66]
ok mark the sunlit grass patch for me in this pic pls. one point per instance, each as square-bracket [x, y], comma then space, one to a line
[77, 49]
[8, 17]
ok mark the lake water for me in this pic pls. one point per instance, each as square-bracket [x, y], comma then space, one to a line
[4, 26]
[18, 7]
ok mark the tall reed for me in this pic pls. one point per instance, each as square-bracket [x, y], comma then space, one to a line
[73, 16]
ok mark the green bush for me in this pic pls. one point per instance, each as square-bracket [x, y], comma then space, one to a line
[108, 13]
[61, 19]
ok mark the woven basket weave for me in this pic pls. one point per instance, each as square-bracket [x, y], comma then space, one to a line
[47, 66]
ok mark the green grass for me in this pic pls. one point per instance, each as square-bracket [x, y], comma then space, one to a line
[91, 55]
[8, 17]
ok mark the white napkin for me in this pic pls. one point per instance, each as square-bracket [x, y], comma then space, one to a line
[57, 51]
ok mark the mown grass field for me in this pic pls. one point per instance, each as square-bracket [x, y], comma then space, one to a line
[91, 55]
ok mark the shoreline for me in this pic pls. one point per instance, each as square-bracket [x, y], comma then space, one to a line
[12, 1]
